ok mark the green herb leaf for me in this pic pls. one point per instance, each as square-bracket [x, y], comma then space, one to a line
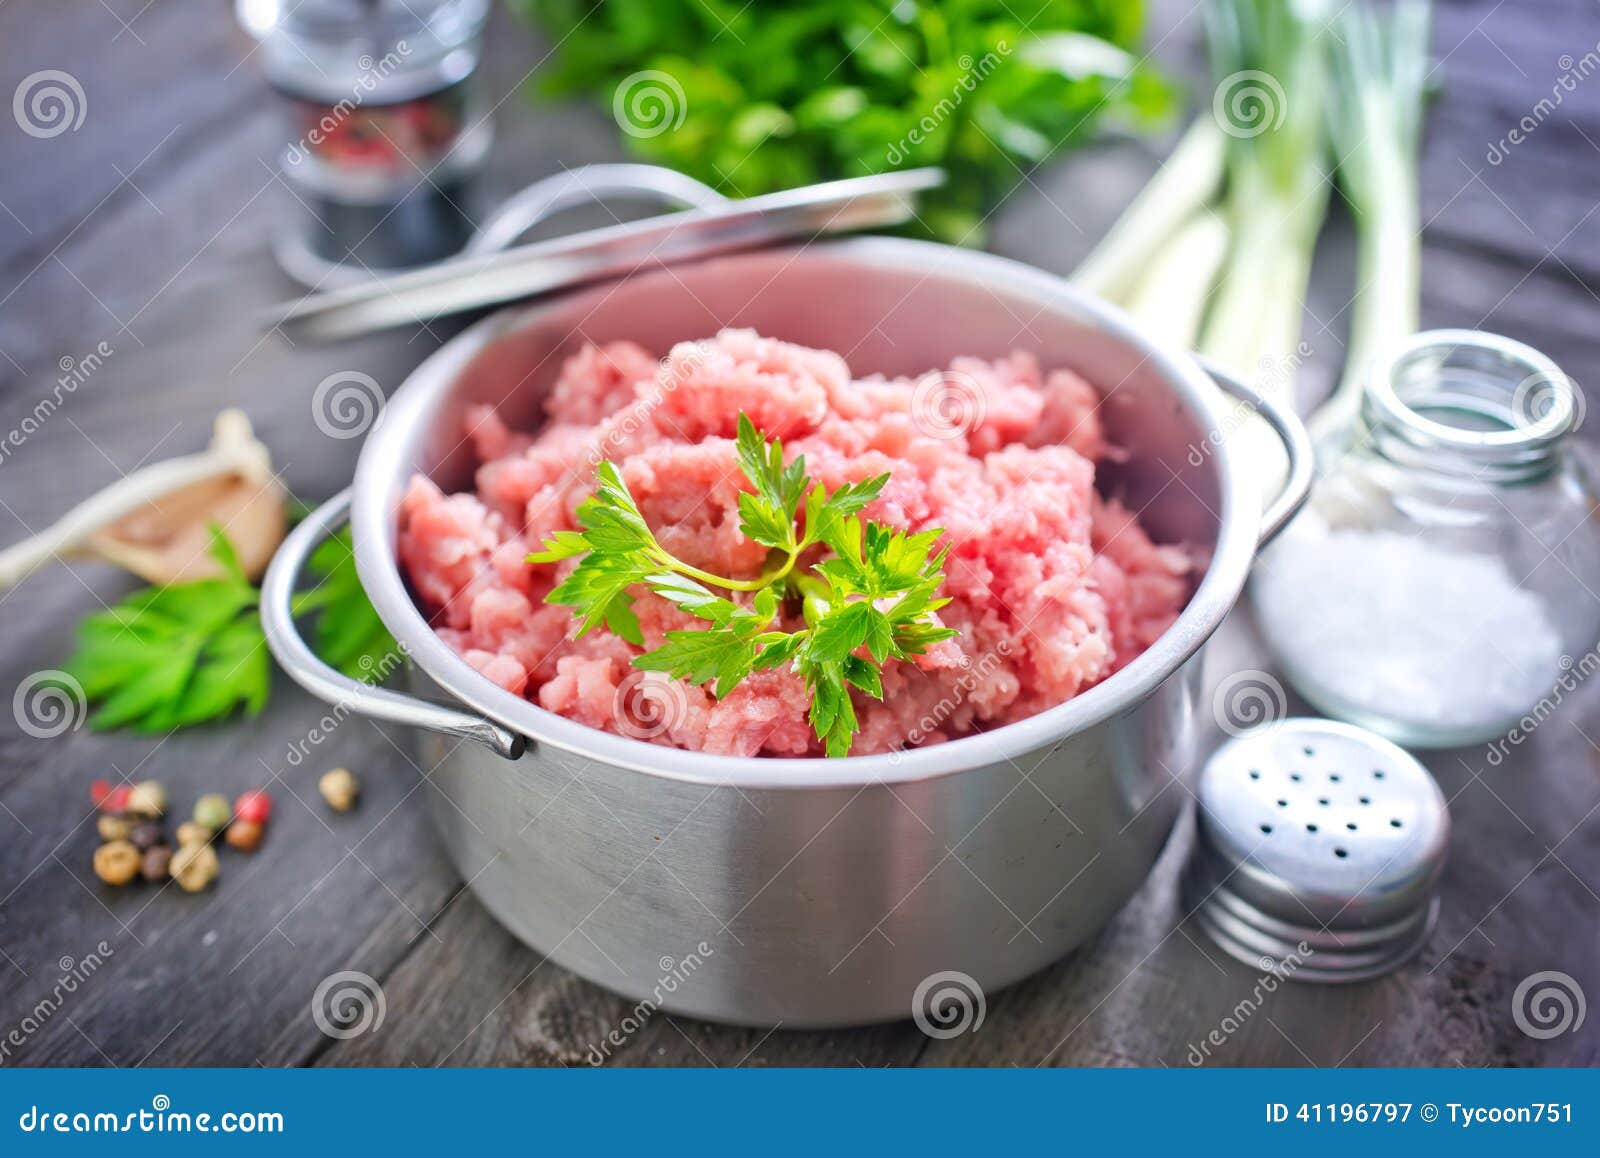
[875, 595]
[348, 635]
[165, 657]
[175, 656]
[730, 94]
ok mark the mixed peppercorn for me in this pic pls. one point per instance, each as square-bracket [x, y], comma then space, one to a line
[135, 843]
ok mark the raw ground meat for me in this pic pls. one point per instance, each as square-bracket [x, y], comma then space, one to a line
[1053, 587]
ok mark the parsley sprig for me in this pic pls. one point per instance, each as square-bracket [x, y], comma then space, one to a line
[174, 656]
[872, 599]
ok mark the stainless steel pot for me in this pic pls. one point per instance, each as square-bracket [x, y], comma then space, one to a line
[810, 892]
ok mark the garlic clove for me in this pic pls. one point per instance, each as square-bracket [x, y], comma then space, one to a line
[156, 522]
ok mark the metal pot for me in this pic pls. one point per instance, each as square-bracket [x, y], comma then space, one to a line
[810, 892]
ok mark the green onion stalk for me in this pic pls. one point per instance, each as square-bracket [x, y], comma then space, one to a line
[1270, 62]
[1380, 66]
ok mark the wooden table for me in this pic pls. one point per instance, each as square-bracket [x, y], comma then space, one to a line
[147, 229]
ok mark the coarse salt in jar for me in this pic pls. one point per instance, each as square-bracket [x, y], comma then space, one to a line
[1446, 572]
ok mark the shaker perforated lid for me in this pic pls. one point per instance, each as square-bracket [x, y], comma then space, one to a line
[1317, 847]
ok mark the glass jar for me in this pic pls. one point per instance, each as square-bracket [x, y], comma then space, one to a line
[1445, 574]
[388, 133]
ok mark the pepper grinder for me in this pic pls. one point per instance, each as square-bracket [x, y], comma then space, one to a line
[388, 134]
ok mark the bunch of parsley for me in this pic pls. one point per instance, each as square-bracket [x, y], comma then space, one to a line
[870, 601]
[173, 656]
[760, 97]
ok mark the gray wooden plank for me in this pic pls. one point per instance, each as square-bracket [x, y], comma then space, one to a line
[227, 975]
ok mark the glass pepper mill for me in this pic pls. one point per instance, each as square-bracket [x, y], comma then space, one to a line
[1444, 578]
[388, 133]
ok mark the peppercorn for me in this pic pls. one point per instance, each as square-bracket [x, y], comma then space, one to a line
[145, 836]
[191, 833]
[114, 827]
[98, 791]
[194, 867]
[213, 811]
[116, 862]
[245, 835]
[147, 798]
[157, 863]
[254, 806]
[115, 801]
[340, 789]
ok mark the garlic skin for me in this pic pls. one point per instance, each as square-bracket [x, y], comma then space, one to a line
[156, 522]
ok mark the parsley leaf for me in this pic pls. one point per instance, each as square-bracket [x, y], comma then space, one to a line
[171, 657]
[873, 600]
[754, 98]
[348, 635]
[168, 657]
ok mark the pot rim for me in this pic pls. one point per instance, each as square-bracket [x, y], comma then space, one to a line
[374, 534]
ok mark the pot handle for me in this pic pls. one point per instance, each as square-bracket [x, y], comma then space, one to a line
[528, 207]
[1297, 447]
[322, 681]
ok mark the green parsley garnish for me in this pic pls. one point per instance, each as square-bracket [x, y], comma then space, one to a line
[170, 657]
[871, 600]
